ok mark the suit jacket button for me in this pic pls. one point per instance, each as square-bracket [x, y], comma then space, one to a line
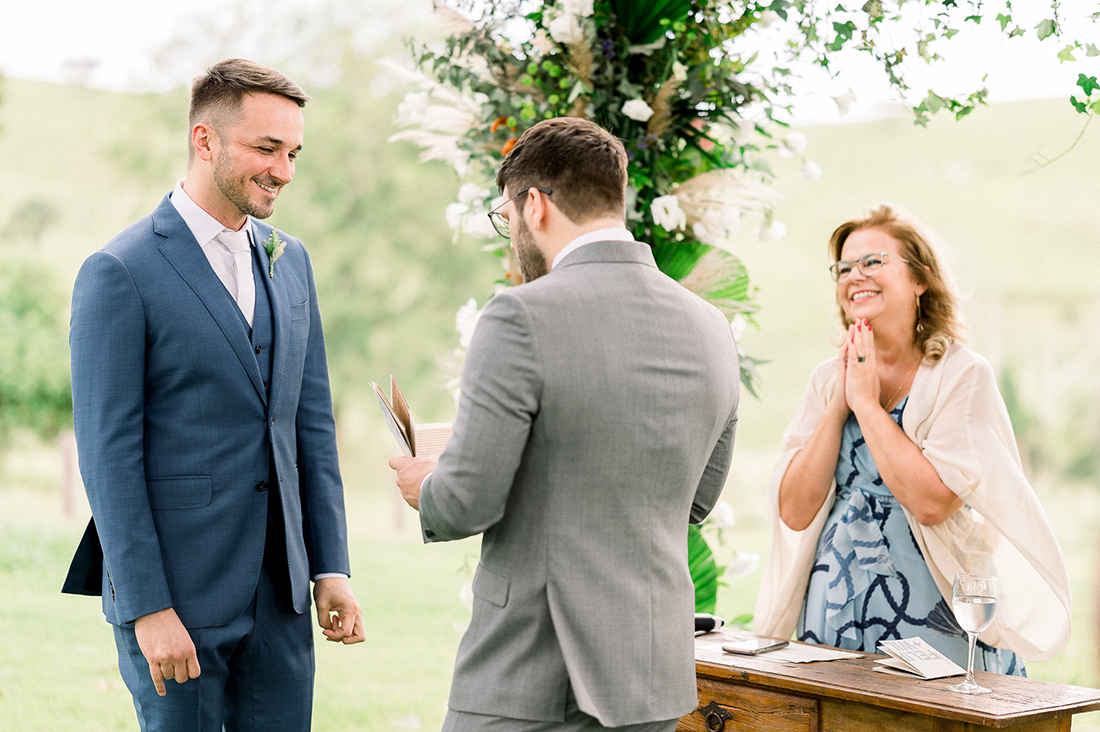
[259, 348]
[261, 486]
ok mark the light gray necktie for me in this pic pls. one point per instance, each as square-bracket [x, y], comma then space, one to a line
[238, 245]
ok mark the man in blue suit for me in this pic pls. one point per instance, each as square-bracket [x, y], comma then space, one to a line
[206, 435]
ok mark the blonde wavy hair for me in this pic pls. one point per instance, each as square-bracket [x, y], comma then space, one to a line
[938, 323]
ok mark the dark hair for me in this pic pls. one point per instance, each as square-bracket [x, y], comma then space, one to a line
[582, 163]
[217, 95]
[938, 323]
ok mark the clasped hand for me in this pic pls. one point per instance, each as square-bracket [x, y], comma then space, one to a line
[857, 386]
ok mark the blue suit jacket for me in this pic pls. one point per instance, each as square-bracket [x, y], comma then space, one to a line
[176, 431]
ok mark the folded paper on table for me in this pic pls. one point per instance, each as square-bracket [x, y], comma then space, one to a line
[423, 440]
[914, 657]
[708, 648]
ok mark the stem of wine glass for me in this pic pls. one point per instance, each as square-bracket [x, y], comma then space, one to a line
[972, 638]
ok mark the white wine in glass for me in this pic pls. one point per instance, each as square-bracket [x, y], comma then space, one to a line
[974, 600]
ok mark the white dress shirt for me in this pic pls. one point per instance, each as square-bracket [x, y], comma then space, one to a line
[613, 234]
[228, 251]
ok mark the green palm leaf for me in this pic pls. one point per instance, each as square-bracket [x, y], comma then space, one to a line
[721, 279]
[641, 19]
[677, 259]
[704, 571]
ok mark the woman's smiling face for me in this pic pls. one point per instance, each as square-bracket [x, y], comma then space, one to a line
[890, 291]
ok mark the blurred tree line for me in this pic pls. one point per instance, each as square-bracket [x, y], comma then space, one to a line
[34, 358]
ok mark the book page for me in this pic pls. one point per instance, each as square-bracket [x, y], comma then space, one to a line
[396, 428]
[402, 413]
[431, 438]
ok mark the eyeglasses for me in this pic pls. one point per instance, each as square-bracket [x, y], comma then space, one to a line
[500, 221]
[868, 266]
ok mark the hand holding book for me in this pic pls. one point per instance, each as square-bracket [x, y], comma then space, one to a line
[426, 440]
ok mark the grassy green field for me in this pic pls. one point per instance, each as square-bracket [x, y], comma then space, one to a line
[1027, 253]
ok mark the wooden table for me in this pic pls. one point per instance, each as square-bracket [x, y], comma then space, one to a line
[741, 693]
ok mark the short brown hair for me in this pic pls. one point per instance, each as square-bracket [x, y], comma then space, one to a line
[938, 323]
[582, 163]
[216, 96]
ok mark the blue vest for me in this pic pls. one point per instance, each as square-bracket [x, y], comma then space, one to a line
[263, 331]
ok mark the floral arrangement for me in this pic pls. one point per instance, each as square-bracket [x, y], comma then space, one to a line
[662, 75]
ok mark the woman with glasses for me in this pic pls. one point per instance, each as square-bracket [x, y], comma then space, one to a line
[900, 469]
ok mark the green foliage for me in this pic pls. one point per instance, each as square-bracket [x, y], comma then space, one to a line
[704, 571]
[34, 373]
[896, 35]
[31, 220]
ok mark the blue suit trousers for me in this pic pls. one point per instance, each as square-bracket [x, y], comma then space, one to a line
[256, 673]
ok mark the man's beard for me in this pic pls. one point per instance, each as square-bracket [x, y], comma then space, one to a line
[236, 192]
[532, 262]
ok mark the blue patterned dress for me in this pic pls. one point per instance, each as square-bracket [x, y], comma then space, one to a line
[869, 581]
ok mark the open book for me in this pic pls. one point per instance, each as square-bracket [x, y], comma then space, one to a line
[423, 440]
[914, 657]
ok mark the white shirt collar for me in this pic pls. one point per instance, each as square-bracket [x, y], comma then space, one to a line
[612, 234]
[202, 225]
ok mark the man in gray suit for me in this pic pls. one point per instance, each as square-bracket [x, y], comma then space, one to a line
[597, 417]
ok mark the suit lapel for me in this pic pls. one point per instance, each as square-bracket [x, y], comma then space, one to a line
[280, 310]
[187, 258]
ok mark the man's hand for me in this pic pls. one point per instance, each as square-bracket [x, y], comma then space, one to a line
[168, 648]
[338, 612]
[411, 472]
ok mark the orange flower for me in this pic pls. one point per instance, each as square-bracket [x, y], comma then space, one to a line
[508, 146]
[498, 123]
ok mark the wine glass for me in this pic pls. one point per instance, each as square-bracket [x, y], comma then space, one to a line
[974, 600]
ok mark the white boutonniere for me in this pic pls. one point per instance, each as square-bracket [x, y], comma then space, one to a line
[274, 247]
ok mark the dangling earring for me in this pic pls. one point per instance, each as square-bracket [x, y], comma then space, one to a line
[920, 325]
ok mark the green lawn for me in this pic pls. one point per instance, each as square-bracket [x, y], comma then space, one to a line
[57, 658]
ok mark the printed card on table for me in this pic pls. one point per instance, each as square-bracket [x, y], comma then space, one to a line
[914, 657]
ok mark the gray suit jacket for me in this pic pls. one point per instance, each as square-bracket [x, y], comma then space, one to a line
[596, 420]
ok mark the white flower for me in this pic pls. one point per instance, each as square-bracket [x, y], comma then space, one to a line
[461, 161]
[844, 102]
[771, 231]
[471, 192]
[738, 325]
[452, 22]
[768, 17]
[668, 214]
[646, 49]
[479, 226]
[466, 595]
[742, 565]
[794, 144]
[581, 8]
[468, 214]
[637, 109]
[413, 108]
[679, 72]
[466, 321]
[715, 223]
[810, 171]
[542, 42]
[566, 29]
[454, 214]
[722, 516]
